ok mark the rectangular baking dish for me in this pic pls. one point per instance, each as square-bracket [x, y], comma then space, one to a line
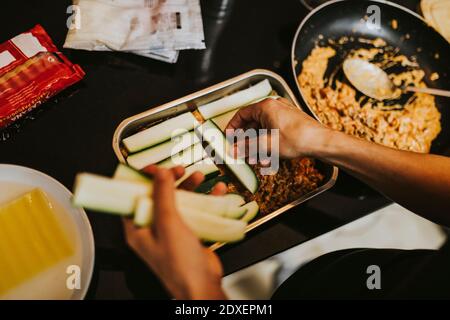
[188, 103]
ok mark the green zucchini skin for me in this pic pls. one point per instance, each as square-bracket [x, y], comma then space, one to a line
[208, 185]
[205, 166]
[124, 172]
[217, 141]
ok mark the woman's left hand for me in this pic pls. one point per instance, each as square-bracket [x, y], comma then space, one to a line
[187, 268]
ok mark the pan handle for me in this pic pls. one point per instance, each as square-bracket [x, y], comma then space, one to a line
[435, 92]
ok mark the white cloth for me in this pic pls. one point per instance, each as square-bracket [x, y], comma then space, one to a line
[153, 28]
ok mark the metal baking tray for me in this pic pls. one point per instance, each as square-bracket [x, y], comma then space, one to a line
[188, 103]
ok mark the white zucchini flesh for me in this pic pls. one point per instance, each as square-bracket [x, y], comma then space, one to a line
[143, 214]
[185, 158]
[227, 205]
[204, 225]
[236, 199]
[124, 172]
[162, 151]
[215, 205]
[222, 121]
[205, 166]
[212, 134]
[125, 198]
[252, 211]
[235, 100]
[108, 195]
[213, 228]
[160, 132]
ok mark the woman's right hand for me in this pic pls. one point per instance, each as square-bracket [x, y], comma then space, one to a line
[299, 134]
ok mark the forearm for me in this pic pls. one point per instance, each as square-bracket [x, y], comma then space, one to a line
[419, 182]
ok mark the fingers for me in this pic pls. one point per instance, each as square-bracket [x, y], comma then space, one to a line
[246, 115]
[164, 195]
[219, 189]
[286, 102]
[193, 181]
[150, 170]
[245, 147]
[136, 236]
[177, 171]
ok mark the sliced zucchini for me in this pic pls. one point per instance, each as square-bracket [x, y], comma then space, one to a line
[185, 158]
[160, 132]
[213, 228]
[236, 213]
[143, 214]
[207, 186]
[124, 172]
[236, 199]
[205, 166]
[228, 205]
[222, 121]
[203, 224]
[108, 195]
[212, 134]
[252, 211]
[235, 100]
[162, 151]
[215, 205]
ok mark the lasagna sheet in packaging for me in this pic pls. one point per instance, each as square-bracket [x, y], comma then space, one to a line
[31, 71]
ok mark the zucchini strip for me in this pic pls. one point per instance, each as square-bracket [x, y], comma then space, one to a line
[213, 228]
[205, 226]
[212, 134]
[160, 132]
[228, 205]
[206, 187]
[124, 172]
[252, 211]
[143, 214]
[162, 151]
[215, 205]
[235, 100]
[186, 157]
[108, 195]
[205, 166]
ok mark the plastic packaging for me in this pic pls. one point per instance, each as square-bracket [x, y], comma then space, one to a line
[31, 71]
[152, 28]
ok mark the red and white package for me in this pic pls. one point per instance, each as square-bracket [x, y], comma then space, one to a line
[31, 71]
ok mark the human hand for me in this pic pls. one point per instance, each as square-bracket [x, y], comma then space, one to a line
[299, 134]
[187, 269]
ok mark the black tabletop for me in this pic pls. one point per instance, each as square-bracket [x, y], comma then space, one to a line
[73, 132]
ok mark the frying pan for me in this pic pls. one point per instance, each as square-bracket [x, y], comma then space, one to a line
[413, 37]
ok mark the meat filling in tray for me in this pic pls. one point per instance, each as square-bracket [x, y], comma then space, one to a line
[294, 179]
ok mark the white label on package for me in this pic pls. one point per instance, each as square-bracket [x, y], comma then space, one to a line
[6, 58]
[28, 44]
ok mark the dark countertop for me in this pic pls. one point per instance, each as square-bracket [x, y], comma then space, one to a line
[73, 132]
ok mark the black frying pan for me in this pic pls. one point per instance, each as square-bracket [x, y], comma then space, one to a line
[343, 18]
